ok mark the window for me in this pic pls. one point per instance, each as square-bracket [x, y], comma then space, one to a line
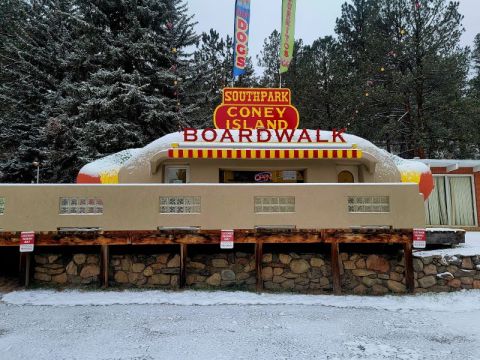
[274, 204]
[81, 206]
[177, 174]
[451, 202]
[180, 204]
[368, 204]
[2, 205]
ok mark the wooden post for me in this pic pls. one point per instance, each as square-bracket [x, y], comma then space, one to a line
[409, 277]
[258, 264]
[337, 282]
[28, 261]
[105, 264]
[183, 265]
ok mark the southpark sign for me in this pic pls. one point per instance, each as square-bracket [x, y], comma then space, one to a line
[256, 109]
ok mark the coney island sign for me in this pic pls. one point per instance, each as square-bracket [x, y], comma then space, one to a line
[245, 108]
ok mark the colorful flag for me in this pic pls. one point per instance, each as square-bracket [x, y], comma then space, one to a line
[240, 44]
[288, 34]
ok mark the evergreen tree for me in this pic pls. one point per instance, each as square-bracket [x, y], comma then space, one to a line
[414, 74]
[213, 61]
[135, 88]
[475, 83]
[35, 44]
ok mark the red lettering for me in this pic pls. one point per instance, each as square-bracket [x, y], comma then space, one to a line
[245, 133]
[304, 136]
[287, 134]
[241, 49]
[242, 24]
[259, 135]
[241, 62]
[319, 137]
[338, 134]
[190, 134]
[205, 133]
[242, 37]
[227, 135]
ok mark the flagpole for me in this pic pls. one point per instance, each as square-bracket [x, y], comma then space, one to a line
[280, 80]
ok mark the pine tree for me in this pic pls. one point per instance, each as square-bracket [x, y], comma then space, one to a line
[134, 87]
[475, 83]
[35, 43]
[413, 75]
[213, 60]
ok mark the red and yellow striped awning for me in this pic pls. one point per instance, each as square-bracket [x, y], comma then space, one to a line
[176, 153]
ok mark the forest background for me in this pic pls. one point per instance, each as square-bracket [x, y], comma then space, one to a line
[82, 79]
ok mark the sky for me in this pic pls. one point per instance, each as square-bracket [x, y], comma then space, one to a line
[315, 18]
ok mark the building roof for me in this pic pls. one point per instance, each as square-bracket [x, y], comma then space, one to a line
[452, 164]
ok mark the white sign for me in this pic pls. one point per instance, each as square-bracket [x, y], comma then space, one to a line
[419, 238]
[289, 175]
[226, 239]
[27, 241]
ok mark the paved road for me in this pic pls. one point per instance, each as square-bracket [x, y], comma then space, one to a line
[144, 332]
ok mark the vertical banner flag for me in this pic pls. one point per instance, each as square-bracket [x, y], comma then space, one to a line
[240, 44]
[288, 34]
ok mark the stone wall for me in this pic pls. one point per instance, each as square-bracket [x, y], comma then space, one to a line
[299, 272]
[305, 271]
[372, 274]
[145, 270]
[446, 273]
[67, 269]
[222, 270]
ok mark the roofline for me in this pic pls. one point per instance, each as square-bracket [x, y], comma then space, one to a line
[452, 164]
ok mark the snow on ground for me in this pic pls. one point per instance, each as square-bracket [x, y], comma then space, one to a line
[470, 248]
[345, 327]
[452, 302]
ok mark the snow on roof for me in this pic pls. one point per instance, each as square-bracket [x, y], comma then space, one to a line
[165, 142]
[470, 248]
[109, 163]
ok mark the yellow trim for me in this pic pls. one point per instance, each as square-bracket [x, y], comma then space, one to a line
[330, 154]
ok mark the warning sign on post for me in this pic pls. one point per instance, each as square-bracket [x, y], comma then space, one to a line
[419, 238]
[27, 241]
[226, 239]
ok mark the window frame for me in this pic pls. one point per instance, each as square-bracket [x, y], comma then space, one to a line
[176, 166]
[449, 200]
[183, 197]
[274, 212]
[355, 203]
[78, 198]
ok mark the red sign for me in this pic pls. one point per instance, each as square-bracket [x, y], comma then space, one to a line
[419, 238]
[27, 241]
[226, 239]
[256, 109]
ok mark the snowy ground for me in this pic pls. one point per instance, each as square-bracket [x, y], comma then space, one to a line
[237, 325]
[470, 248]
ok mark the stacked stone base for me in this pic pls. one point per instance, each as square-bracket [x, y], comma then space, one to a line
[134, 270]
[302, 272]
[67, 269]
[296, 272]
[234, 270]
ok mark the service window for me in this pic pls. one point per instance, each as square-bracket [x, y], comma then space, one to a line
[176, 174]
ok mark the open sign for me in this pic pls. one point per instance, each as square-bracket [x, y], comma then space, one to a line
[263, 177]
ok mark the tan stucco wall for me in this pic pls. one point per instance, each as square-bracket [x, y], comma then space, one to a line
[207, 171]
[136, 207]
